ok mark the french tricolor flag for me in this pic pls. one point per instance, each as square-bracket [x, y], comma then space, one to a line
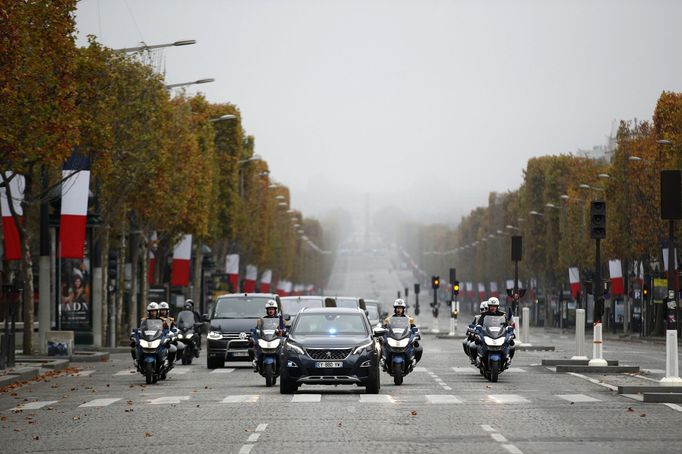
[493, 289]
[265, 281]
[574, 280]
[75, 190]
[9, 228]
[481, 291]
[232, 270]
[250, 278]
[470, 290]
[182, 255]
[616, 274]
[150, 268]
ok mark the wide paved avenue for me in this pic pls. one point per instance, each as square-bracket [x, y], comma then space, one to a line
[444, 406]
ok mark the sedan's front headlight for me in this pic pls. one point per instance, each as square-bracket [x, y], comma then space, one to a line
[214, 335]
[294, 348]
[494, 342]
[360, 348]
[402, 343]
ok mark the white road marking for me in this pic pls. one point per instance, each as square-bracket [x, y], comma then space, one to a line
[125, 372]
[516, 369]
[447, 388]
[420, 369]
[250, 398]
[653, 371]
[246, 449]
[34, 405]
[100, 402]
[222, 371]
[487, 428]
[577, 398]
[85, 373]
[512, 449]
[306, 398]
[442, 399]
[465, 370]
[498, 437]
[168, 400]
[673, 406]
[261, 427]
[507, 398]
[178, 371]
[253, 438]
[376, 399]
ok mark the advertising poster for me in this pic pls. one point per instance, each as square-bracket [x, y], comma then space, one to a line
[74, 296]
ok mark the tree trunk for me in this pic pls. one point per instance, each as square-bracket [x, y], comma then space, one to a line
[196, 275]
[105, 286]
[135, 279]
[120, 329]
[144, 283]
[27, 272]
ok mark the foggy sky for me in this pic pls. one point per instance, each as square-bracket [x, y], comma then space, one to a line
[426, 105]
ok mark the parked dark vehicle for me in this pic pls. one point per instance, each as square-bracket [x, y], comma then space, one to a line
[330, 346]
[230, 326]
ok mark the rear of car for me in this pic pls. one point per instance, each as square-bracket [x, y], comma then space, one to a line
[230, 326]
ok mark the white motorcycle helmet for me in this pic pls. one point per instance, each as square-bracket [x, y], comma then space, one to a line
[152, 307]
[494, 302]
[271, 304]
[483, 307]
[163, 305]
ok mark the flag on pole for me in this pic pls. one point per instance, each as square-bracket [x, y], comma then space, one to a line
[265, 281]
[75, 191]
[470, 290]
[150, 268]
[250, 278]
[510, 284]
[665, 259]
[493, 289]
[574, 280]
[616, 275]
[9, 228]
[481, 291]
[182, 255]
[232, 270]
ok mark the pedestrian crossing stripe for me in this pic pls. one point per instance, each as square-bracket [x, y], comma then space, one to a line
[222, 371]
[84, 373]
[507, 399]
[577, 398]
[376, 398]
[168, 400]
[99, 402]
[34, 405]
[442, 399]
[126, 372]
[178, 371]
[307, 398]
[240, 399]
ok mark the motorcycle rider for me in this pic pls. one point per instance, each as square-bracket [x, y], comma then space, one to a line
[494, 311]
[189, 306]
[152, 313]
[168, 323]
[399, 308]
[271, 308]
[483, 307]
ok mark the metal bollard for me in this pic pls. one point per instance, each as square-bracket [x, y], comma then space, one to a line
[580, 335]
[597, 347]
[525, 326]
[672, 369]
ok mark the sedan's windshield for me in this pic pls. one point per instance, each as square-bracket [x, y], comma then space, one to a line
[372, 313]
[240, 307]
[330, 324]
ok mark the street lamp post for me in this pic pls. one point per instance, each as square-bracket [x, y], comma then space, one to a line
[193, 82]
[145, 47]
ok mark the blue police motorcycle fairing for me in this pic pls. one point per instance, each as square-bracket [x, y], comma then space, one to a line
[151, 340]
[494, 340]
[398, 358]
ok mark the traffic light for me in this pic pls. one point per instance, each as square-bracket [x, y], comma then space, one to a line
[112, 270]
[416, 289]
[598, 220]
[455, 288]
[645, 292]
[435, 282]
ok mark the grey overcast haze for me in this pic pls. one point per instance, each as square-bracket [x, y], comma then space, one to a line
[426, 105]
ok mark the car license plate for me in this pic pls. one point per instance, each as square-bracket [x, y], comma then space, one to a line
[325, 364]
[239, 353]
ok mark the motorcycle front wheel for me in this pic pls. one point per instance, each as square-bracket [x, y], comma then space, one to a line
[397, 374]
[494, 371]
[149, 373]
[269, 375]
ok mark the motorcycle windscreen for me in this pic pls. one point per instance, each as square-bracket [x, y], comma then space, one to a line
[185, 320]
[399, 327]
[494, 326]
[268, 328]
[151, 329]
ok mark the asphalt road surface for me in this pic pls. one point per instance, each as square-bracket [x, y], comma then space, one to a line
[444, 406]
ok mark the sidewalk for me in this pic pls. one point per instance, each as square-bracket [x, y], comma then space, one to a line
[635, 338]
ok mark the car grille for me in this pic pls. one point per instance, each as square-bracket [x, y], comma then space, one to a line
[328, 353]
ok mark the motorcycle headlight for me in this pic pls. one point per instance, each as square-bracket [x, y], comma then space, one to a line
[402, 343]
[180, 336]
[360, 348]
[214, 335]
[269, 345]
[294, 348]
[152, 344]
[494, 342]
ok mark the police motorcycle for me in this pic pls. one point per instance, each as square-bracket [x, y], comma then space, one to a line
[188, 336]
[398, 358]
[152, 342]
[468, 344]
[268, 345]
[494, 340]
